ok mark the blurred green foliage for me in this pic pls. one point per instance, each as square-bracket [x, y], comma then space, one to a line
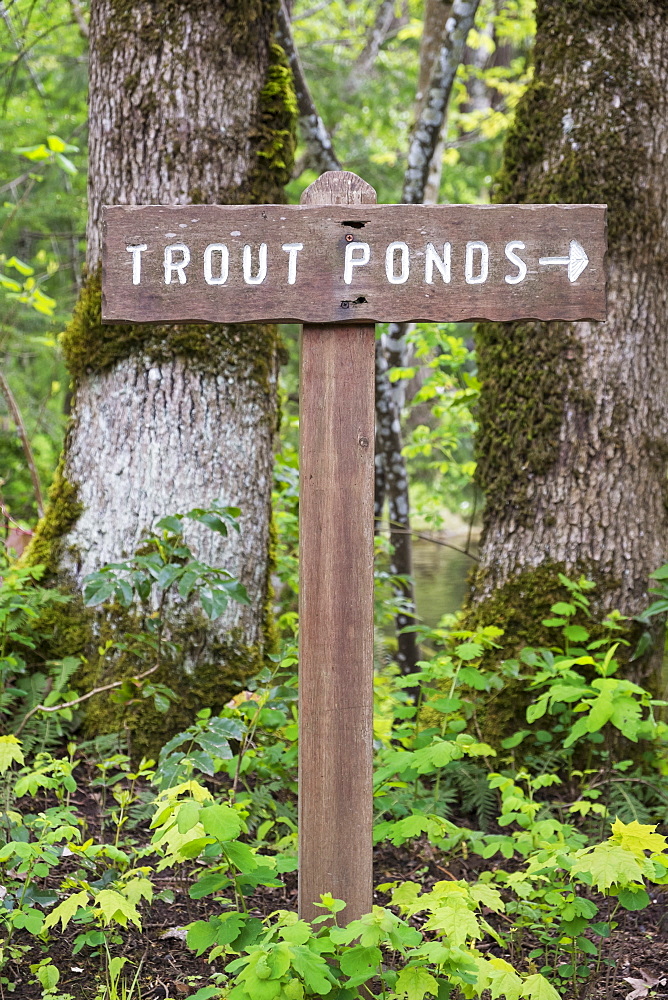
[43, 136]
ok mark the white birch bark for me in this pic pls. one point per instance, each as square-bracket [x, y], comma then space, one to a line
[430, 124]
[316, 136]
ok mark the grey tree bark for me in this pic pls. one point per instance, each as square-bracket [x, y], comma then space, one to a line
[572, 452]
[189, 103]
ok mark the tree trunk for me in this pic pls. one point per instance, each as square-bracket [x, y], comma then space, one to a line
[189, 103]
[572, 450]
[436, 13]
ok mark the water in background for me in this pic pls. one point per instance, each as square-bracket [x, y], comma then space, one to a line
[440, 576]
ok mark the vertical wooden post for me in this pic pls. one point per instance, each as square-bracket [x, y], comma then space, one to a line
[336, 598]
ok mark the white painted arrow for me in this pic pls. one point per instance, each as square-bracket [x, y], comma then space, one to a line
[577, 261]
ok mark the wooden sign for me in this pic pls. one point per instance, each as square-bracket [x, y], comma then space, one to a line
[342, 264]
[338, 263]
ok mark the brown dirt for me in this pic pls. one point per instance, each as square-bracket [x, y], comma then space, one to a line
[639, 948]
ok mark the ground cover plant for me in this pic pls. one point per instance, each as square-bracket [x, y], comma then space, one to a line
[554, 828]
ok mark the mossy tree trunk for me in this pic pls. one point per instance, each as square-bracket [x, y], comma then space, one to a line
[573, 440]
[189, 103]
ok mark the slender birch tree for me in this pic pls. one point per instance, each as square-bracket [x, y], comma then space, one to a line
[391, 471]
[189, 103]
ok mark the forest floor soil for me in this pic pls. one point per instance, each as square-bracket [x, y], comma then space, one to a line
[170, 971]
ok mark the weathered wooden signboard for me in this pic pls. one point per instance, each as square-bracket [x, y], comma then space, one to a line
[382, 263]
[338, 263]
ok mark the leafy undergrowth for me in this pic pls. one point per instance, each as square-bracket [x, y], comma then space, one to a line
[527, 868]
[169, 969]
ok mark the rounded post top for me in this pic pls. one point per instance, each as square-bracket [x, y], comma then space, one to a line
[339, 187]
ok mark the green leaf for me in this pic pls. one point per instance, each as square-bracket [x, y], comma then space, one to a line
[10, 752]
[188, 815]
[213, 600]
[113, 906]
[187, 582]
[608, 864]
[98, 593]
[9, 283]
[587, 946]
[241, 856]
[437, 754]
[124, 592]
[297, 933]
[221, 821]
[66, 910]
[600, 713]
[19, 265]
[537, 987]
[218, 731]
[360, 962]
[313, 969]
[49, 976]
[201, 935]
[28, 918]
[504, 981]
[456, 920]
[515, 740]
[116, 966]
[633, 899]
[581, 728]
[172, 523]
[562, 608]
[474, 678]
[168, 574]
[576, 633]
[237, 592]
[58, 145]
[65, 164]
[209, 883]
[638, 837]
[35, 153]
[469, 651]
[212, 521]
[414, 982]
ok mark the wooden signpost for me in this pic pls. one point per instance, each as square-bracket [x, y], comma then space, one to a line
[338, 263]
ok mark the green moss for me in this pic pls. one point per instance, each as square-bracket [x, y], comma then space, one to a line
[525, 369]
[236, 22]
[274, 133]
[518, 607]
[62, 512]
[242, 350]
[197, 684]
[577, 137]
